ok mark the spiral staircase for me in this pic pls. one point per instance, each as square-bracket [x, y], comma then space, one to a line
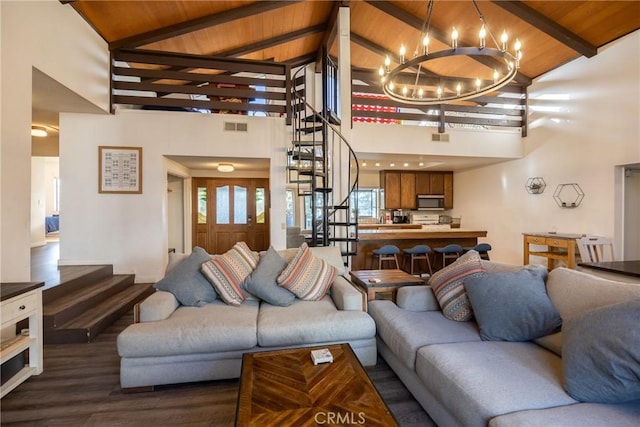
[324, 167]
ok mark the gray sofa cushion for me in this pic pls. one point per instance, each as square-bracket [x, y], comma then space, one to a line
[512, 306]
[578, 415]
[478, 380]
[262, 281]
[186, 281]
[601, 360]
[307, 322]
[404, 331]
[214, 327]
[573, 292]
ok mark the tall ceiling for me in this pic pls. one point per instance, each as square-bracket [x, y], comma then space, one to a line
[552, 33]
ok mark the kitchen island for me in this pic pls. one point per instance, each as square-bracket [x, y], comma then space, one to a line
[435, 237]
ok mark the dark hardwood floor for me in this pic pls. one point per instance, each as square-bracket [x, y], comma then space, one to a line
[80, 386]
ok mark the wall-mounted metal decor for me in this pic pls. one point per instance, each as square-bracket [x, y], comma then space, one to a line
[568, 195]
[535, 185]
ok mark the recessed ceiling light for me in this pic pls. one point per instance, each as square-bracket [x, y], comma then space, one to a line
[39, 131]
[406, 165]
[377, 163]
[364, 163]
[392, 165]
[225, 167]
[421, 164]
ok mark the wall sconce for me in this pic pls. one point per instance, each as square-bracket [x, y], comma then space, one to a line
[225, 167]
[39, 131]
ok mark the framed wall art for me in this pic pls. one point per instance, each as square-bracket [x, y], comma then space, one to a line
[120, 170]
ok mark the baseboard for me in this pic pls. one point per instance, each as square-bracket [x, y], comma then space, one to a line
[67, 262]
[38, 244]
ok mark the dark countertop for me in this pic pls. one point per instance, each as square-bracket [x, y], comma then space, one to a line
[627, 268]
[10, 290]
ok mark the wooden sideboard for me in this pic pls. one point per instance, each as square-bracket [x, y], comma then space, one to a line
[21, 301]
[559, 247]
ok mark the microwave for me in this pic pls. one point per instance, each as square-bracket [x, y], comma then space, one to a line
[426, 202]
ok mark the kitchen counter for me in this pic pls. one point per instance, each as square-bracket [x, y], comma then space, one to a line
[621, 271]
[435, 236]
[363, 227]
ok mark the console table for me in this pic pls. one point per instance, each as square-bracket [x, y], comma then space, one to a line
[21, 301]
[559, 247]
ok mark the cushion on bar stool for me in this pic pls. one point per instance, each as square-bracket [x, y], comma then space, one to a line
[386, 253]
[482, 248]
[417, 253]
[451, 251]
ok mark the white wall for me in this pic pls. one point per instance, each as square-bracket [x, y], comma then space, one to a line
[130, 230]
[55, 39]
[583, 122]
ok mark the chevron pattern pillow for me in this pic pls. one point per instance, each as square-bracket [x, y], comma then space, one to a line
[448, 286]
[307, 276]
[227, 272]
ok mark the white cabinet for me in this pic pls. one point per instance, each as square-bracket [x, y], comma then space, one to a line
[21, 301]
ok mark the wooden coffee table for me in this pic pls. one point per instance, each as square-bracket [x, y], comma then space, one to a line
[389, 281]
[284, 387]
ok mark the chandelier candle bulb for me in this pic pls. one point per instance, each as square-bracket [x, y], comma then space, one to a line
[387, 62]
[404, 91]
[420, 93]
[504, 39]
[495, 76]
[458, 89]
[425, 44]
[402, 52]
[483, 35]
[454, 38]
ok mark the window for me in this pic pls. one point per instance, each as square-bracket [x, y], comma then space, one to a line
[291, 209]
[366, 202]
[308, 217]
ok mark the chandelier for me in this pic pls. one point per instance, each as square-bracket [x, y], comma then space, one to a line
[426, 88]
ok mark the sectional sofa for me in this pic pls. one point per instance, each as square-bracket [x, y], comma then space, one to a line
[177, 343]
[463, 376]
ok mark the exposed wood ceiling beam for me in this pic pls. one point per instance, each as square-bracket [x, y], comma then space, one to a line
[301, 60]
[198, 24]
[542, 23]
[264, 44]
[439, 35]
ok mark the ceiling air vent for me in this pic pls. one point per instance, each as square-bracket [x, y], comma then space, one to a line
[439, 137]
[235, 126]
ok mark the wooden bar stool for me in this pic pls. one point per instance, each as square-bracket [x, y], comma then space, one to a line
[451, 251]
[385, 253]
[417, 253]
[482, 249]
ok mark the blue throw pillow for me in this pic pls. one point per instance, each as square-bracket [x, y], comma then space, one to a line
[262, 282]
[512, 306]
[187, 283]
[601, 354]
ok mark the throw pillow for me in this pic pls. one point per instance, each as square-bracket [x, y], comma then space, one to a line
[601, 354]
[448, 286]
[513, 306]
[262, 282]
[308, 277]
[186, 282]
[227, 272]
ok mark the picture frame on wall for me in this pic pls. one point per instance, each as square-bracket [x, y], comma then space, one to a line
[120, 170]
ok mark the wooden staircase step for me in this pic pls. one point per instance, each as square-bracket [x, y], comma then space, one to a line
[75, 277]
[68, 306]
[87, 325]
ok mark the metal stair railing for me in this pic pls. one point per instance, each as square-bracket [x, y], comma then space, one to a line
[310, 165]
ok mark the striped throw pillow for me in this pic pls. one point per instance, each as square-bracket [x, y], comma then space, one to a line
[448, 286]
[308, 277]
[227, 272]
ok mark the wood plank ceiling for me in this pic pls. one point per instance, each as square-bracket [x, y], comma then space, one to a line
[552, 32]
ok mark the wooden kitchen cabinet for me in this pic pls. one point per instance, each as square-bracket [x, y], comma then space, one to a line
[390, 181]
[401, 188]
[448, 190]
[407, 190]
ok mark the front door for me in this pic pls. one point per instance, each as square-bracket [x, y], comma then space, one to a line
[226, 211]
